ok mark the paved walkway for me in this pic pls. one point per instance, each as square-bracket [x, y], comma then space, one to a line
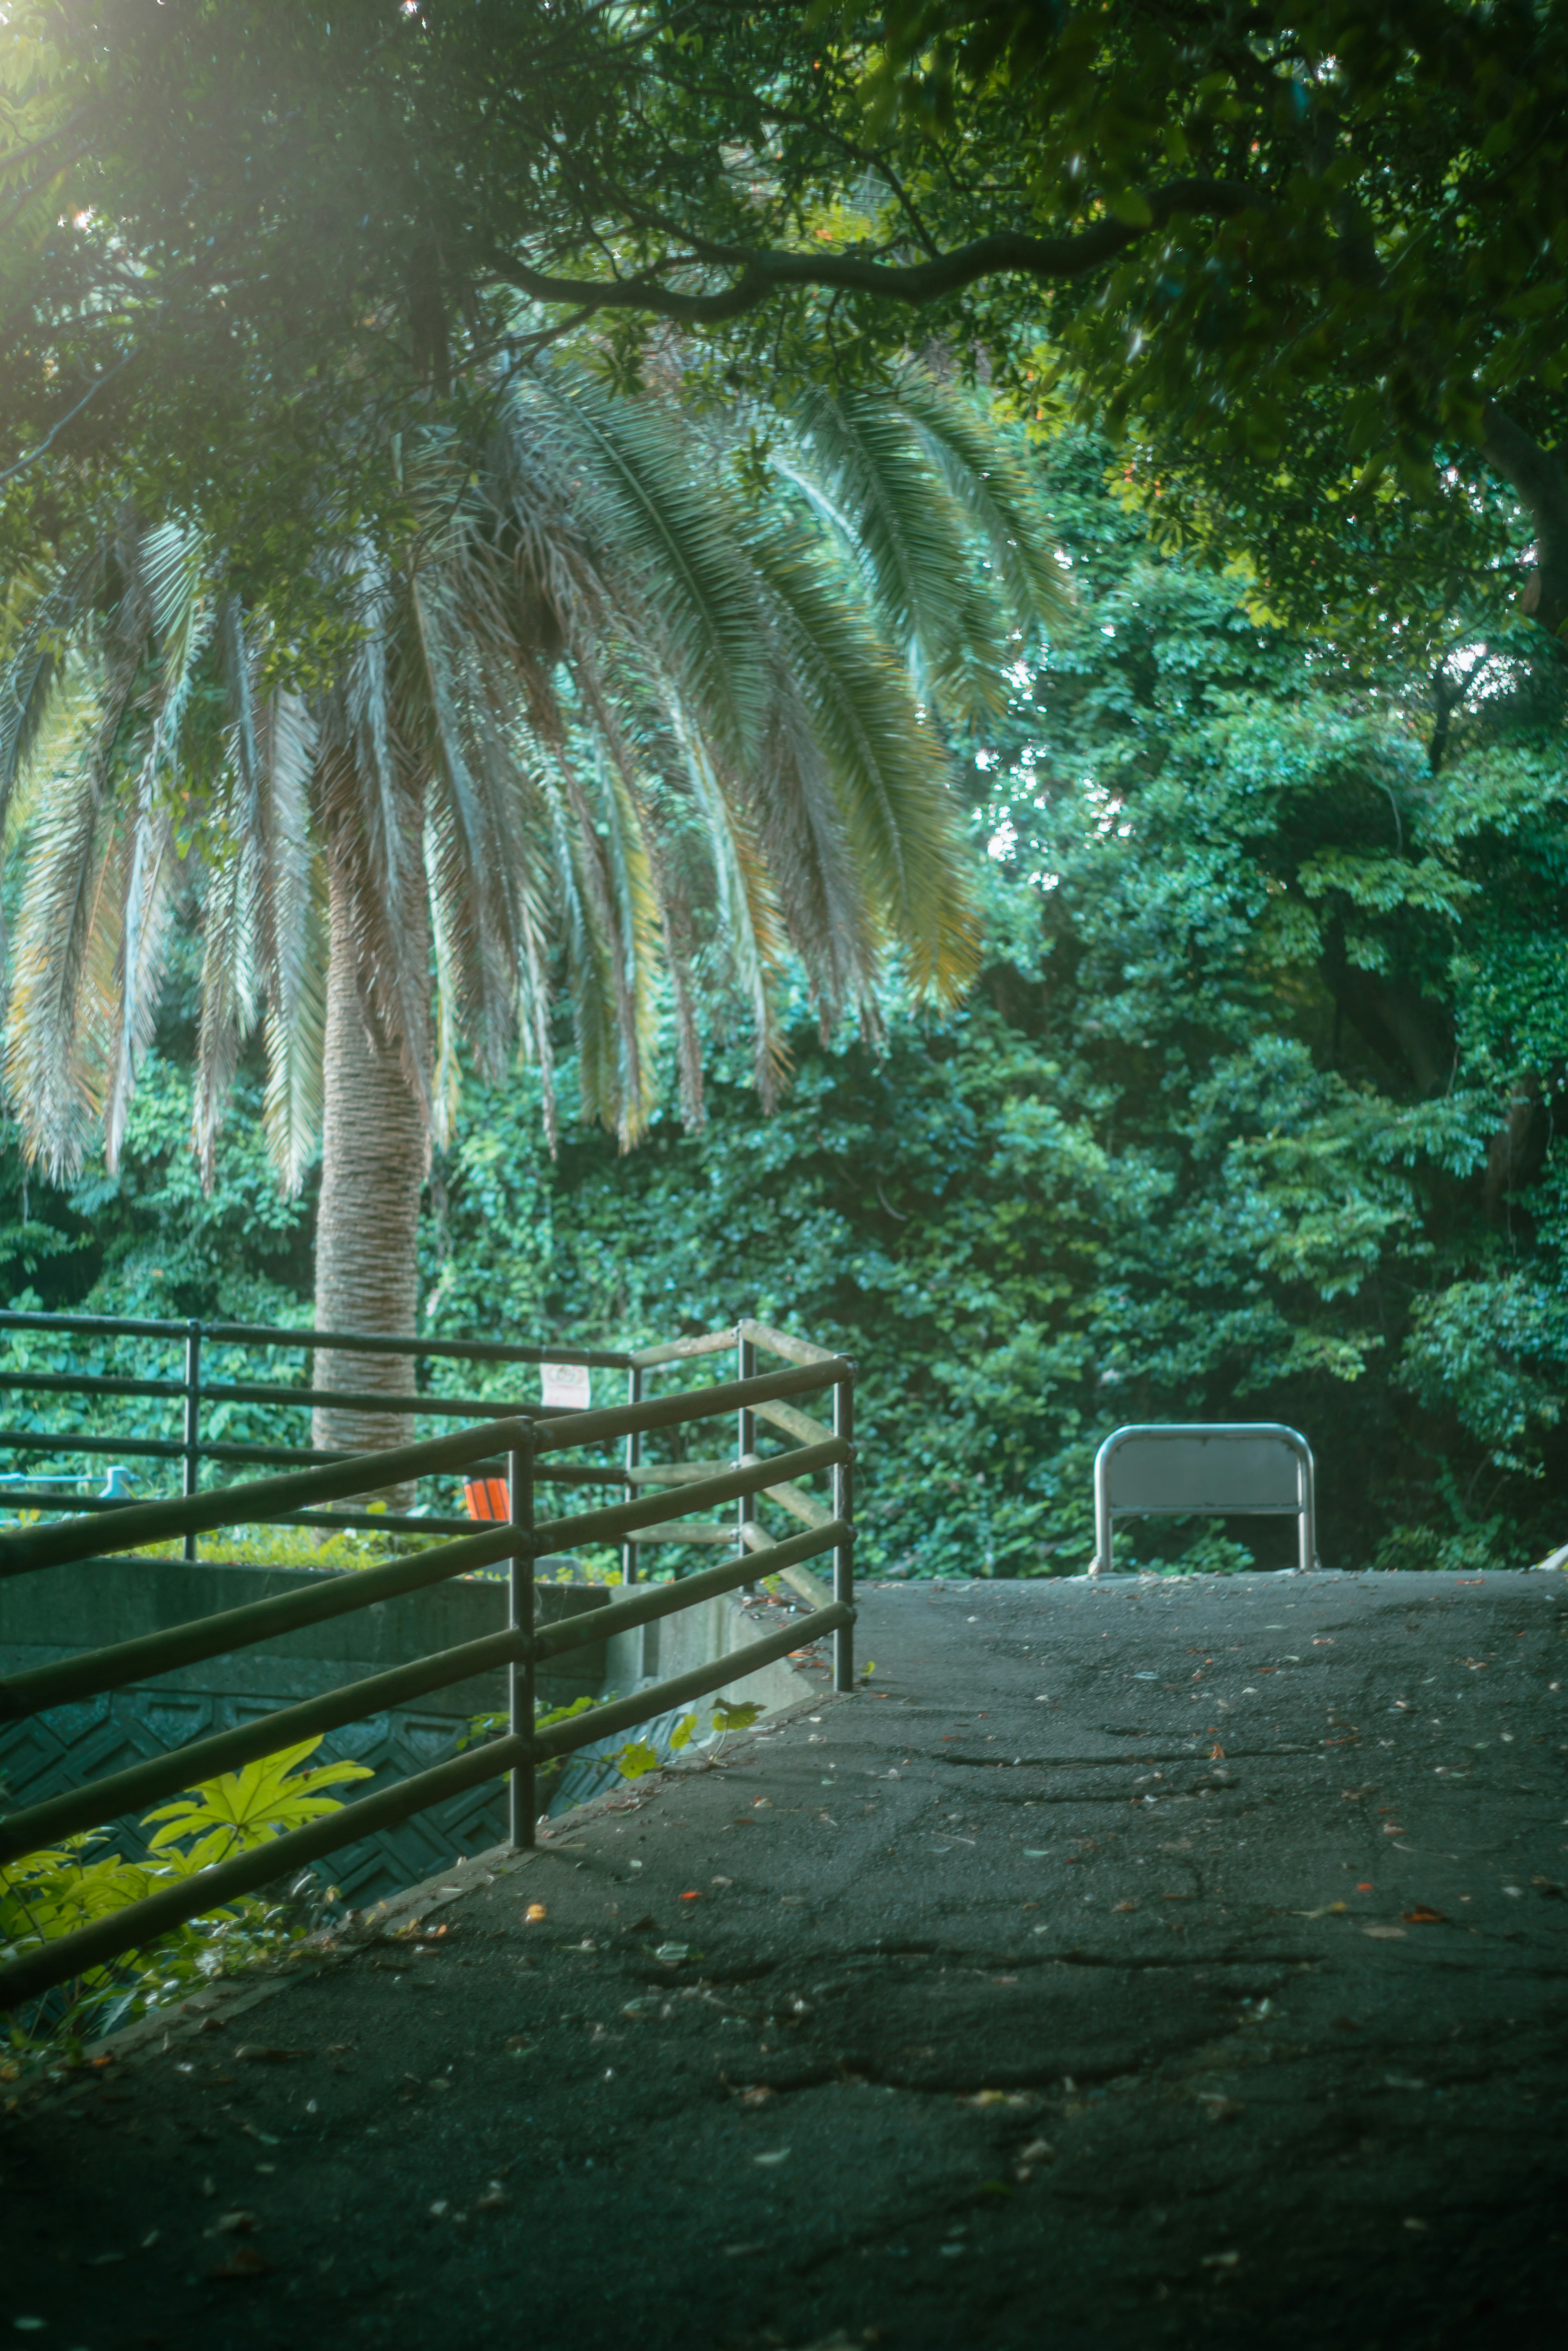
[1135, 1963]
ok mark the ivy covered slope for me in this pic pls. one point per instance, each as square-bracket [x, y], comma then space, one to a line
[1251, 1115]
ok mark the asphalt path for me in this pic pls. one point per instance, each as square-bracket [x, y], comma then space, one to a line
[1131, 1963]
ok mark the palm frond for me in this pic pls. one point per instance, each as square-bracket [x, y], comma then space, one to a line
[670, 534]
[296, 1044]
[887, 769]
[229, 999]
[986, 469]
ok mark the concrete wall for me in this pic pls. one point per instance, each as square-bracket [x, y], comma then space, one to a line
[60, 1612]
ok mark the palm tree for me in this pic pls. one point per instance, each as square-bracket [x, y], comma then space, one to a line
[644, 710]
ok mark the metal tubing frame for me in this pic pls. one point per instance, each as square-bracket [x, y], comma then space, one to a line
[744, 1428]
[192, 1477]
[844, 1510]
[633, 1461]
[1303, 1510]
[520, 1622]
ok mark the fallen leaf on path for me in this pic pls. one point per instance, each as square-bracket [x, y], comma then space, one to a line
[774, 2155]
[233, 2224]
[1385, 1934]
[1219, 2261]
[534, 1913]
[1125, 1906]
[245, 2261]
[257, 2053]
[1039, 2150]
[1424, 1915]
[758, 2093]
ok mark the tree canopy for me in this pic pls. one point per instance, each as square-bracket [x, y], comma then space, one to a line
[1308, 261]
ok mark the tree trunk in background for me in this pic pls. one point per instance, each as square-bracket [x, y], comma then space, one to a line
[374, 1159]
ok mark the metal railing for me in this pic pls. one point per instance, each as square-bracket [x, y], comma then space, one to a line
[190, 1396]
[657, 1510]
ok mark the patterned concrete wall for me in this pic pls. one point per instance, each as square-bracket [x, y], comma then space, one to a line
[66, 1610]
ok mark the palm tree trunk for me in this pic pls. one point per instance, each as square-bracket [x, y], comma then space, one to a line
[374, 1153]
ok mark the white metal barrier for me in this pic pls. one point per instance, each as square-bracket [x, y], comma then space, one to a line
[1243, 1467]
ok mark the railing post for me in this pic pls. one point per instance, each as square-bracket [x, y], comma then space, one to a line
[844, 1508]
[745, 1432]
[192, 1459]
[520, 1618]
[633, 1456]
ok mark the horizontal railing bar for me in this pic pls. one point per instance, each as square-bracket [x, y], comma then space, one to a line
[686, 1403]
[794, 1499]
[26, 1497]
[46, 1440]
[386, 1523]
[568, 1473]
[794, 1421]
[366, 1400]
[622, 1517]
[677, 1351]
[365, 1343]
[136, 1523]
[35, 1973]
[392, 1342]
[94, 1326]
[668, 1473]
[648, 1601]
[95, 1670]
[90, 1383]
[780, 1342]
[109, 1800]
[686, 1530]
[800, 1579]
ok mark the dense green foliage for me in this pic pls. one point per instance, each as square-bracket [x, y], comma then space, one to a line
[1251, 1114]
[1308, 257]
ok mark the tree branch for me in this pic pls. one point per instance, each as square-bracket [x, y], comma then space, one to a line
[761, 272]
[1539, 476]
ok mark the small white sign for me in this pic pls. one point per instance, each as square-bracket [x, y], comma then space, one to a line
[566, 1385]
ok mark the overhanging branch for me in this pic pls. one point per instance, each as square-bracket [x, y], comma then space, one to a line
[760, 272]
